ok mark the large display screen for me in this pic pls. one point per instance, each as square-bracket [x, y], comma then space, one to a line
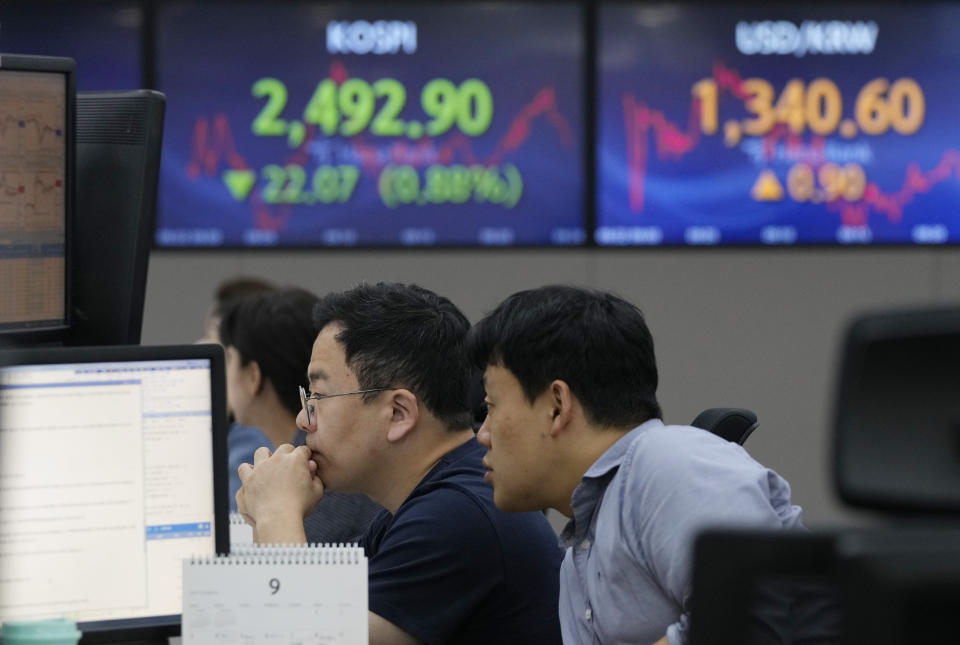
[303, 124]
[102, 37]
[812, 124]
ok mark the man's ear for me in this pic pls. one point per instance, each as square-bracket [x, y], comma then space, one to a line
[562, 403]
[253, 377]
[405, 412]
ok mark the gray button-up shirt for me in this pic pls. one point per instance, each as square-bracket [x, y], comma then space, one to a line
[626, 576]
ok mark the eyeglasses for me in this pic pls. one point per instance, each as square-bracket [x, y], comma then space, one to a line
[307, 396]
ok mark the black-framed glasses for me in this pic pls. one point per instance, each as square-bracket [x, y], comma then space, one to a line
[307, 396]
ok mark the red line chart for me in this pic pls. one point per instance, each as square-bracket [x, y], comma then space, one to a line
[915, 182]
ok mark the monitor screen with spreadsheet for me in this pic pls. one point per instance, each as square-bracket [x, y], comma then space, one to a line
[112, 470]
[36, 169]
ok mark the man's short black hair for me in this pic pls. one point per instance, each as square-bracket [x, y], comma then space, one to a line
[398, 335]
[275, 329]
[594, 341]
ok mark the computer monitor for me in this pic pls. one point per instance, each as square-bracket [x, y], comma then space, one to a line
[112, 470]
[37, 103]
[901, 585]
[897, 423]
[119, 137]
[765, 587]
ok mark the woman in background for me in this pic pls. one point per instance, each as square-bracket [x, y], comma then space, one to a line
[242, 441]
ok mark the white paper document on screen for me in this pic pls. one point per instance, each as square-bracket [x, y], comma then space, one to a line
[59, 533]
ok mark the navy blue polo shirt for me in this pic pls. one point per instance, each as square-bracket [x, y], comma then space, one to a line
[450, 567]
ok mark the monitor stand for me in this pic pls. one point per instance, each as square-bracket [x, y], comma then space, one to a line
[147, 635]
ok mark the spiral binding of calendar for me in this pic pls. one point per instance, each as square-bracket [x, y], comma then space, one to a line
[285, 554]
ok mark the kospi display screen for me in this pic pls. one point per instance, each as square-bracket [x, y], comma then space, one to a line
[815, 124]
[296, 124]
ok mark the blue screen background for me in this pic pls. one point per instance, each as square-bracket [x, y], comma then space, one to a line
[209, 57]
[103, 39]
[649, 59]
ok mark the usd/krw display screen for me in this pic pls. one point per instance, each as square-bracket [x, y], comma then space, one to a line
[778, 125]
[393, 124]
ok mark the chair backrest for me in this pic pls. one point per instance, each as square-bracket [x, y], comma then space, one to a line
[733, 424]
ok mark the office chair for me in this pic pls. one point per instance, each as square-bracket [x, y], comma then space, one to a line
[733, 424]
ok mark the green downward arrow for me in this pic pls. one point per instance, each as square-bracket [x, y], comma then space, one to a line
[239, 182]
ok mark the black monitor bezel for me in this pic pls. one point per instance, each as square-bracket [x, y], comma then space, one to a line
[868, 333]
[151, 628]
[66, 67]
[108, 141]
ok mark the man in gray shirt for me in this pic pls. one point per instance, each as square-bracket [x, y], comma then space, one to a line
[573, 424]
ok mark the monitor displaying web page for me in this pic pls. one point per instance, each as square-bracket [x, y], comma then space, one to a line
[36, 169]
[110, 463]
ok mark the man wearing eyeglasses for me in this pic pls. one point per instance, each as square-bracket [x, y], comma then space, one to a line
[387, 416]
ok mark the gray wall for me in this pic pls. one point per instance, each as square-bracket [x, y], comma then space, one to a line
[754, 328]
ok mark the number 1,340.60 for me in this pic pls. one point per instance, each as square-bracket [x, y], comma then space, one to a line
[880, 106]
